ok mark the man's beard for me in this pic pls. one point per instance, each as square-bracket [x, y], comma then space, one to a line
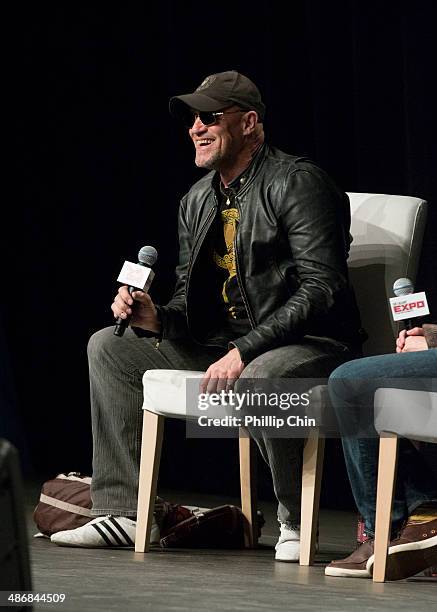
[212, 163]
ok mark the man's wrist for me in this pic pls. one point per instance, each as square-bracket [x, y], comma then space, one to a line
[146, 333]
[430, 333]
[232, 346]
[155, 328]
[153, 331]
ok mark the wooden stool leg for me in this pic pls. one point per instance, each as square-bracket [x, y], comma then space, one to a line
[248, 487]
[312, 469]
[151, 444]
[388, 451]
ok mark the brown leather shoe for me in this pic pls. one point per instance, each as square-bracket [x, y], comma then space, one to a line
[355, 565]
[414, 550]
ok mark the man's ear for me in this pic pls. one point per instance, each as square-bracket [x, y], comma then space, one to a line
[250, 119]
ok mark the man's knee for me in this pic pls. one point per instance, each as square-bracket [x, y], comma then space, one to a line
[346, 381]
[345, 370]
[267, 365]
[266, 370]
[358, 371]
[101, 343]
[287, 362]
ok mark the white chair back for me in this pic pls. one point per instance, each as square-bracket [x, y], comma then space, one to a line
[387, 235]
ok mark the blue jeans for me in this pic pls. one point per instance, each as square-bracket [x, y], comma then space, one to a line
[351, 388]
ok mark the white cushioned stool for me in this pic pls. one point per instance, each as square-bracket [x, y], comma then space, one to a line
[165, 395]
[408, 414]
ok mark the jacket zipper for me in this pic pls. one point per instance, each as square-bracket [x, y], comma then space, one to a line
[237, 269]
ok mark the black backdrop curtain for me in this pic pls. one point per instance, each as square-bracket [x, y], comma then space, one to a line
[100, 166]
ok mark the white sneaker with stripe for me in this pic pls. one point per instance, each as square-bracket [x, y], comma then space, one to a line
[103, 532]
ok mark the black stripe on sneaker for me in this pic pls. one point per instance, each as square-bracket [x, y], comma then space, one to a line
[121, 530]
[116, 537]
[103, 535]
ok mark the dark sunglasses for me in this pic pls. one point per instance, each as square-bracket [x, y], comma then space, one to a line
[206, 117]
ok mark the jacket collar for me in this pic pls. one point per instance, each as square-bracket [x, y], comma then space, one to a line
[241, 182]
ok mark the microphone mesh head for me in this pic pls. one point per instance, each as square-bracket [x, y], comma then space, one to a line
[403, 286]
[147, 256]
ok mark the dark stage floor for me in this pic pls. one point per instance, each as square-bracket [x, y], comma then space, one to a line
[183, 580]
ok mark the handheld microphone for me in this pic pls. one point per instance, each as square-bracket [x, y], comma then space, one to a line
[402, 286]
[138, 277]
[407, 305]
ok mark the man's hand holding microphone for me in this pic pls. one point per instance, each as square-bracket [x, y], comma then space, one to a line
[137, 308]
[132, 305]
[410, 340]
[407, 306]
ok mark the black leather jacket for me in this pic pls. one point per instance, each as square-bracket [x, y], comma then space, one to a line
[291, 249]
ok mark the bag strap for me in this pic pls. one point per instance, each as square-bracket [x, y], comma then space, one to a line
[75, 476]
[196, 510]
[52, 501]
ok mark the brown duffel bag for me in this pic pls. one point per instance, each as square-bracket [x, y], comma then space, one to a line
[64, 503]
[221, 527]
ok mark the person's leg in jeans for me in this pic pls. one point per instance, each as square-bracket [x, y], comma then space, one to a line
[352, 387]
[116, 367]
[311, 359]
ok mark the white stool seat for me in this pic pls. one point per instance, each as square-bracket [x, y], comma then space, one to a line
[175, 393]
[165, 391]
[407, 413]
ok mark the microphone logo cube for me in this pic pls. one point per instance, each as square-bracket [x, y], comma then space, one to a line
[409, 306]
[137, 276]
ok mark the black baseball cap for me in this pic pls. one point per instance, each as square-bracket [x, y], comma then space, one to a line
[218, 91]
